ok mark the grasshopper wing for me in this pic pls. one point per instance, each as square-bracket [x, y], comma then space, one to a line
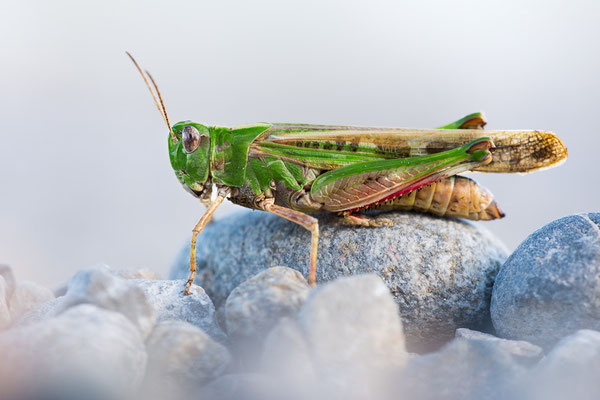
[359, 185]
[329, 147]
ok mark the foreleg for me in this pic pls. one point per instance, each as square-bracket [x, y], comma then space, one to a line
[221, 195]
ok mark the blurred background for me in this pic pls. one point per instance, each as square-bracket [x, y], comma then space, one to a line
[84, 171]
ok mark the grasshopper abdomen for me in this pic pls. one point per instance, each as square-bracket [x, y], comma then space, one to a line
[456, 196]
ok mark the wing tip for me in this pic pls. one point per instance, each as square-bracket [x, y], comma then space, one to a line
[526, 151]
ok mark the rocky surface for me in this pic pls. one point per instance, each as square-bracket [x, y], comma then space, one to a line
[463, 369]
[5, 319]
[182, 356]
[568, 371]
[26, 296]
[103, 288]
[550, 285]
[118, 335]
[333, 321]
[353, 330]
[517, 348]
[167, 300]
[287, 357]
[254, 307]
[249, 386]
[144, 302]
[40, 313]
[98, 348]
[343, 339]
[9, 279]
[18, 298]
[440, 271]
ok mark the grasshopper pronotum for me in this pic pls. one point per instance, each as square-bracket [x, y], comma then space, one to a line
[291, 170]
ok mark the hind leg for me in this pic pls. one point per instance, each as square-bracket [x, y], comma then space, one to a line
[307, 222]
[355, 220]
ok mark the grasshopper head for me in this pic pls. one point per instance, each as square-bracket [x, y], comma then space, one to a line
[189, 146]
[189, 151]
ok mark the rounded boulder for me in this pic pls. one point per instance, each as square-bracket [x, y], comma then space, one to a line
[550, 286]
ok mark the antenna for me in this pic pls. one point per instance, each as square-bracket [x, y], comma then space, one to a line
[161, 107]
[160, 99]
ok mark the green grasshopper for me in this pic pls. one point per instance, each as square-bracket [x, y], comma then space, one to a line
[292, 170]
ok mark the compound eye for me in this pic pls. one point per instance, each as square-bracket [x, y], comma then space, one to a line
[191, 139]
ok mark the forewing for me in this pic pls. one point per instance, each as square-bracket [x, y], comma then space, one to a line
[328, 146]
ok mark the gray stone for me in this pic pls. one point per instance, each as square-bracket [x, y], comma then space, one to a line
[182, 355]
[344, 345]
[550, 286]
[254, 307]
[27, 296]
[5, 319]
[570, 370]
[439, 270]
[86, 343]
[137, 274]
[241, 387]
[352, 328]
[461, 370]
[145, 302]
[100, 286]
[7, 287]
[517, 348]
[121, 273]
[170, 304]
[42, 312]
[286, 357]
[7, 273]
[579, 350]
